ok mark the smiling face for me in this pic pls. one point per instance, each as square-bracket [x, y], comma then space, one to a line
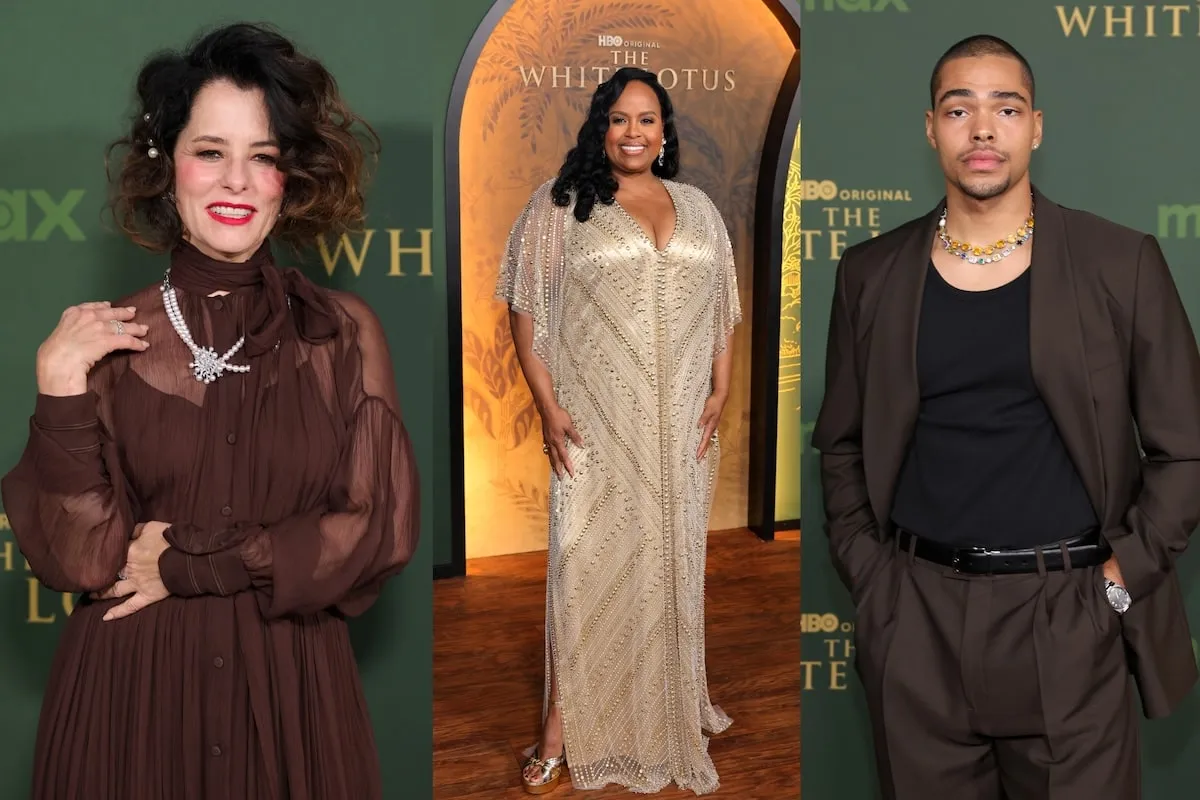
[227, 188]
[983, 125]
[635, 129]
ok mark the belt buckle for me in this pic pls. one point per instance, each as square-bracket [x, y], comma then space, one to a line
[956, 559]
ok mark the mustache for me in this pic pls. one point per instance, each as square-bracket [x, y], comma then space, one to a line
[974, 151]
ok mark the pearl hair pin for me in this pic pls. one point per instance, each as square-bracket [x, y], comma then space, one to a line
[153, 151]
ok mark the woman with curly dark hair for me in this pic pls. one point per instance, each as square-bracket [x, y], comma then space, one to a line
[623, 297]
[217, 462]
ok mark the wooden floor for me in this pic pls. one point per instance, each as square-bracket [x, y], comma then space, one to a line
[487, 674]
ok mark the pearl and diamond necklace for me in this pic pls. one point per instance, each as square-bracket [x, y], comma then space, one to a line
[206, 365]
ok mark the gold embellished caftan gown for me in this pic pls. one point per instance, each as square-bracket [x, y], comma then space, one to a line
[629, 334]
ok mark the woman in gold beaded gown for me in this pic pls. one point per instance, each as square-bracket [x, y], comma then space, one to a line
[623, 298]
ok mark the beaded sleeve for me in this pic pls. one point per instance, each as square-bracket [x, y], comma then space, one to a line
[532, 269]
[727, 304]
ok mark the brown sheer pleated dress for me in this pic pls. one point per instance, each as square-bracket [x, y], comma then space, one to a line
[292, 494]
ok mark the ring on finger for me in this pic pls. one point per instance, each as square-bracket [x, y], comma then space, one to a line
[118, 327]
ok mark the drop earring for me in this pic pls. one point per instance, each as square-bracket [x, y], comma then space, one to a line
[662, 154]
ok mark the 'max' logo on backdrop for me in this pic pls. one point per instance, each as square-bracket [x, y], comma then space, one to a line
[1129, 22]
[34, 215]
[1178, 221]
[855, 5]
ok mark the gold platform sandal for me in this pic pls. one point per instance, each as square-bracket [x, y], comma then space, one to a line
[548, 775]
[549, 770]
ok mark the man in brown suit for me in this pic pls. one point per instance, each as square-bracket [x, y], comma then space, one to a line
[1010, 459]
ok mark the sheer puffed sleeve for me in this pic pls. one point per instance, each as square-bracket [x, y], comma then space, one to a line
[340, 555]
[532, 267]
[67, 500]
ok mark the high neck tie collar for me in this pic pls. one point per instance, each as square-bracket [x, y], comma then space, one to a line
[315, 321]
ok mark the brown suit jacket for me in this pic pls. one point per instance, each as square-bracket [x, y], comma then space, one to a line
[1116, 361]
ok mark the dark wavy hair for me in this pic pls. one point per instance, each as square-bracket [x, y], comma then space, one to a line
[321, 151]
[586, 171]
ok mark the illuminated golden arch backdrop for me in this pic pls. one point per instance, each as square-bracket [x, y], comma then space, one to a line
[723, 61]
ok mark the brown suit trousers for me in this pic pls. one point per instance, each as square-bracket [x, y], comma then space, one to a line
[1009, 687]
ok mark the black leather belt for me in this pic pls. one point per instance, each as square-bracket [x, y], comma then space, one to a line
[1088, 550]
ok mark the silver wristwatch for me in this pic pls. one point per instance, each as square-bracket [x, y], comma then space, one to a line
[1118, 596]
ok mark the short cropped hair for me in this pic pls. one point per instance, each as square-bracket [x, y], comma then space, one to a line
[973, 47]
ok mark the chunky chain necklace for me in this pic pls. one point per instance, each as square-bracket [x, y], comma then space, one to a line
[985, 254]
[206, 365]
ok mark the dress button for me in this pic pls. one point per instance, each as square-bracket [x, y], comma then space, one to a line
[231, 438]
[226, 511]
[218, 304]
[216, 750]
[218, 662]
